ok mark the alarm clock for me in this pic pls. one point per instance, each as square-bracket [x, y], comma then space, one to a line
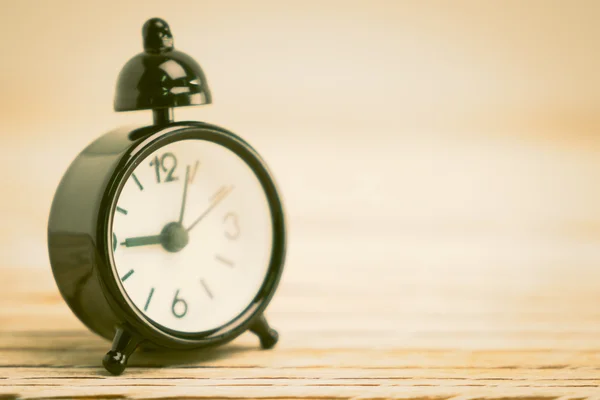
[172, 235]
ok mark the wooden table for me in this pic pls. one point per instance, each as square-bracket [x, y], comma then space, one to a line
[339, 340]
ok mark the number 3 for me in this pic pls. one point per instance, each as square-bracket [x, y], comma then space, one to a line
[233, 233]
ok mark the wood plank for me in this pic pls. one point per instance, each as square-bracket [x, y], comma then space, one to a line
[466, 352]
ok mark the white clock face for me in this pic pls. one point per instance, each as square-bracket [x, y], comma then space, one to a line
[192, 257]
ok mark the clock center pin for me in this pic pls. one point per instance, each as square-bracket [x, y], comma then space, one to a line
[174, 237]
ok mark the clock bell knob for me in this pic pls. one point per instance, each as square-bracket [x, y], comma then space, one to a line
[160, 78]
[157, 36]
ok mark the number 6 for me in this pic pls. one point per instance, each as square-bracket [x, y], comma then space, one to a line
[176, 301]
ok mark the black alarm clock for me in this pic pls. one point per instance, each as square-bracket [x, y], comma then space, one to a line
[172, 235]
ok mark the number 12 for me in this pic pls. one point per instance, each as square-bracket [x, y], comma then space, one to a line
[160, 163]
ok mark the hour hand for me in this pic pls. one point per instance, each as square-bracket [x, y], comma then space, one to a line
[142, 241]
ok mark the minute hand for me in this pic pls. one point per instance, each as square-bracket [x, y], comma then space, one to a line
[216, 199]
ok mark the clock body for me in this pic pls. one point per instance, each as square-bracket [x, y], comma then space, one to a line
[169, 236]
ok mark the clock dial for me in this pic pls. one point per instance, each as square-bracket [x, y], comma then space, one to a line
[192, 236]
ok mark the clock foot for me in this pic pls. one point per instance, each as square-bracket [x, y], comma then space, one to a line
[267, 335]
[124, 344]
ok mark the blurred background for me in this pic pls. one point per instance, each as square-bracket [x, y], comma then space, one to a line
[443, 154]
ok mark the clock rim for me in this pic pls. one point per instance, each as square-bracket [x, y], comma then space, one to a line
[118, 299]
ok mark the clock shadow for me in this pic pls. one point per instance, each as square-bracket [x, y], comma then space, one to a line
[155, 358]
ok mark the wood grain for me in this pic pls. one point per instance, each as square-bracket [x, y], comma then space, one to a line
[369, 346]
